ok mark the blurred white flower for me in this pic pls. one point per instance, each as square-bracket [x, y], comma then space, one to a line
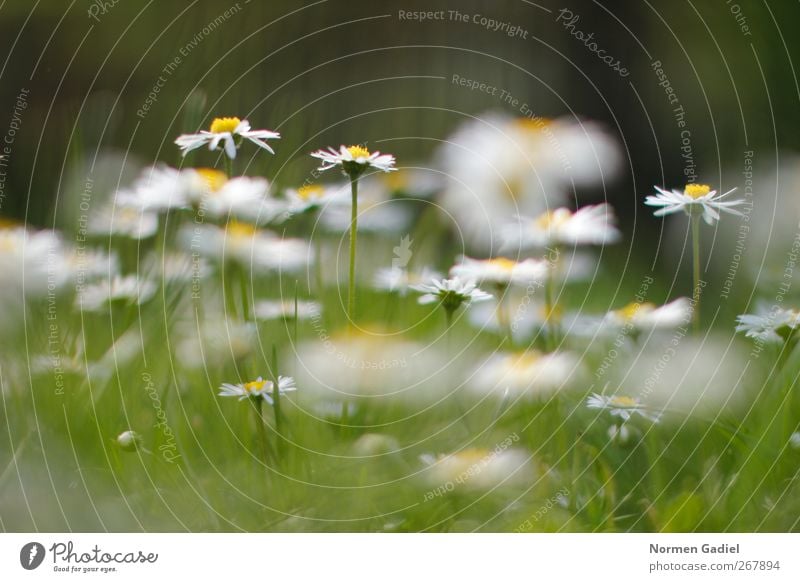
[451, 293]
[648, 316]
[248, 246]
[370, 366]
[259, 388]
[159, 188]
[128, 289]
[591, 225]
[377, 212]
[354, 159]
[244, 198]
[478, 468]
[276, 309]
[502, 271]
[214, 341]
[528, 374]
[31, 262]
[372, 444]
[623, 407]
[315, 195]
[695, 199]
[771, 325]
[125, 221]
[498, 167]
[794, 440]
[225, 130]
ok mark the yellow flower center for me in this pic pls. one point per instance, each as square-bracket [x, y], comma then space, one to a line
[224, 124]
[631, 309]
[310, 192]
[395, 180]
[553, 218]
[254, 386]
[472, 456]
[525, 360]
[697, 190]
[533, 123]
[624, 402]
[358, 152]
[552, 313]
[214, 179]
[502, 263]
[238, 229]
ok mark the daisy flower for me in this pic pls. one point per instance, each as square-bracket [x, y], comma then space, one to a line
[128, 289]
[623, 407]
[124, 221]
[647, 315]
[354, 160]
[502, 271]
[451, 293]
[242, 197]
[772, 326]
[158, 189]
[479, 468]
[266, 310]
[696, 199]
[225, 130]
[259, 388]
[313, 196]
[591, 225]
[248, 246]
[496, 167]
[529, 374]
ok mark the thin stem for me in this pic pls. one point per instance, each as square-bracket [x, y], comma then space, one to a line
[228, 165]
[550, 303]
[276, 399]
[351, 294]
[262, 431]
[696, 271]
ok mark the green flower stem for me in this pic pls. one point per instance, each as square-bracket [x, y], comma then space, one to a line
[551, 337]
[228, 165]
[276, 401]
[262, 430]
[695, 220]
[351, 293]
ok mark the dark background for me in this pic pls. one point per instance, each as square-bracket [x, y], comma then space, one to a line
[333, 72]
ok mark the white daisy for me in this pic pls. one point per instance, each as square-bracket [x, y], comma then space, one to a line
[502, 271]
[377, 212]
[247, 245]
[478, 468]
[591, 225]
[529, 374]
[125, 221]
[128, 289]
[774, 325]
[794, 440]
[159, 188]
[623, 407]
[648, 316]
[451, 293]
[32, 262]
[694, 200]
[399, 280]
[354, 160]
[259, 388]
[498, 167]
[313, 196]
[225, 130]
[242, 197]
[267, 310]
